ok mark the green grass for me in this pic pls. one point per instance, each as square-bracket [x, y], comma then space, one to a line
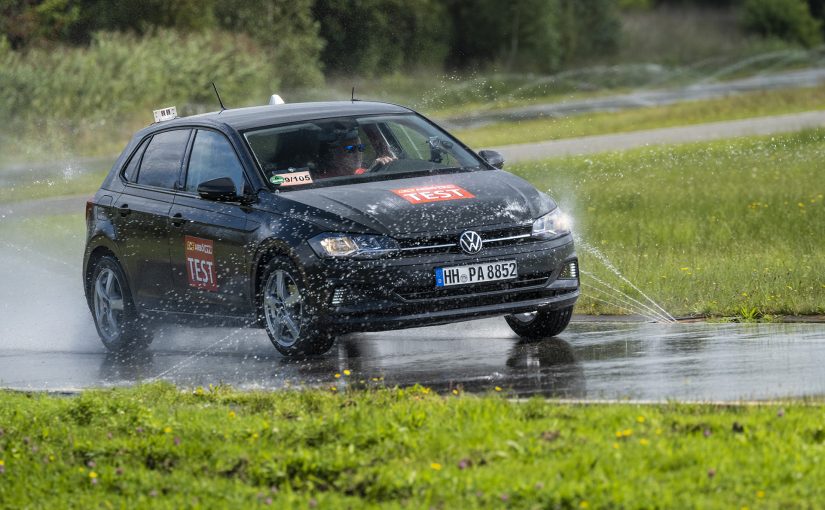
[703, 228]
[155, 447]
[48, 234]
[55, 187]
[743, 106]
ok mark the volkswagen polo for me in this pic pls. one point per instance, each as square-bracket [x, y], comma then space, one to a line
[318, 219]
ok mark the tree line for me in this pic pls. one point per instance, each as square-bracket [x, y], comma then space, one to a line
[338, 36]
[309, 38]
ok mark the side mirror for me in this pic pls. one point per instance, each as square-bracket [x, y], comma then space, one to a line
[494, 158]
[219, 190]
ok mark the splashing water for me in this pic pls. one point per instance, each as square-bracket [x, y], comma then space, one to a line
[652, 310]
[224, 342]
[632, 305]
[70, 171]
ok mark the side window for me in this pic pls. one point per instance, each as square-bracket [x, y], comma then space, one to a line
[213, 157]
[162, 160]
[131, 169]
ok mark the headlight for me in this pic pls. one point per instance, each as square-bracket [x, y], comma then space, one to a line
[360, 246]
[551, 225]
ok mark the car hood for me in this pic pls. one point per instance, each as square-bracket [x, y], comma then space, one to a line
[435, 203]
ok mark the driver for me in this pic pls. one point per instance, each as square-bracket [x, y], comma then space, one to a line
[344, 155]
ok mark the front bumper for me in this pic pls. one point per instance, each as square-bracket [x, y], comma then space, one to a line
[400, 292]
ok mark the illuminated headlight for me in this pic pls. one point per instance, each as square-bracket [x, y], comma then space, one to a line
[353, 246]
[551, 225]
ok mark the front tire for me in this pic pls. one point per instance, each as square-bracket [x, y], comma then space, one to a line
[116, 319]
[290, 321]
[540, 324]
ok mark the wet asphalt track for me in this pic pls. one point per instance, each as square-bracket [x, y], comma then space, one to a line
[592, 359]
[48, 342]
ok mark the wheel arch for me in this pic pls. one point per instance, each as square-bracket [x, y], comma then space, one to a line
[269, 249]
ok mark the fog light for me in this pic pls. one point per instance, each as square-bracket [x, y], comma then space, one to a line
[570, 271]
[338, 296]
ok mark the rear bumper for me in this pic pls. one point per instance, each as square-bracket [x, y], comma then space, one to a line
[398, 293]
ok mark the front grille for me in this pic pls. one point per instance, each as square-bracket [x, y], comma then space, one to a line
[448, 243]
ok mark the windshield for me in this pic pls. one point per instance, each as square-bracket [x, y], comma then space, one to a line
[332, 151]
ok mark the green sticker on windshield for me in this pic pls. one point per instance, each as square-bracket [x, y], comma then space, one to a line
[277, 180]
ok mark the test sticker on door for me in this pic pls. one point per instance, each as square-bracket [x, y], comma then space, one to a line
[200, 263]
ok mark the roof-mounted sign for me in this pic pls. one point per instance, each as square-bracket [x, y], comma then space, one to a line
[167, 113]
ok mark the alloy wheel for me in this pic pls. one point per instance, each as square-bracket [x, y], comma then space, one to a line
[283, 307]
[108, 303]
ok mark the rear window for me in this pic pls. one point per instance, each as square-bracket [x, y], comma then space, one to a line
[161, 162]
[348, 149]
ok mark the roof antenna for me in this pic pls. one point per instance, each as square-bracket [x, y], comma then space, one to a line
[219, 96]
[353, 94]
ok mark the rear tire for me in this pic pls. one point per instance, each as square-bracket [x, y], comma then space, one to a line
[289, 320]
[540, 324]
[116, 318]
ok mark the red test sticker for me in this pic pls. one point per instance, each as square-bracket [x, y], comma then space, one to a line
[436, 193]
[200, 263]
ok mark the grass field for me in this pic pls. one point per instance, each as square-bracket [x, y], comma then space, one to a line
[155, 447]
[53, 187]
[734, 107]
[727, 228]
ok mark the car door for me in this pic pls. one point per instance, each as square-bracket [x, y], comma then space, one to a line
[142, 216]
[210, 259]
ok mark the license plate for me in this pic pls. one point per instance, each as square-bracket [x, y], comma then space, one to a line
[475, 273]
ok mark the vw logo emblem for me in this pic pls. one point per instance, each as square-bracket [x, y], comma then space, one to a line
[470, 242]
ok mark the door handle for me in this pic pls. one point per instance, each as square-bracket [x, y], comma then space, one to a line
[177, 220]
[124, 210]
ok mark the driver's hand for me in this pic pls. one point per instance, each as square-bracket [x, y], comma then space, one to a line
[384, 160]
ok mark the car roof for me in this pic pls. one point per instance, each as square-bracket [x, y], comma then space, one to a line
[259, 116]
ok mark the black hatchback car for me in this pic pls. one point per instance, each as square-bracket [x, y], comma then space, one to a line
[318, 219]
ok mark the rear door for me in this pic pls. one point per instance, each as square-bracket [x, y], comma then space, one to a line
[142, 216]
[210, 259]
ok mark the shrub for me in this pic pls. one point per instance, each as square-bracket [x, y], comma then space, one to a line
[533, 35]
[513, 35]
[286, 31]
[589, 29]
[379, 37]
[119, 74]
[790, 20]
[641, 5]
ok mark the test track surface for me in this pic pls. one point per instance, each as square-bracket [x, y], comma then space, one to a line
[663, 136]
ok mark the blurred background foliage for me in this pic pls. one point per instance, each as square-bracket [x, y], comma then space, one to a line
[65, 62]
